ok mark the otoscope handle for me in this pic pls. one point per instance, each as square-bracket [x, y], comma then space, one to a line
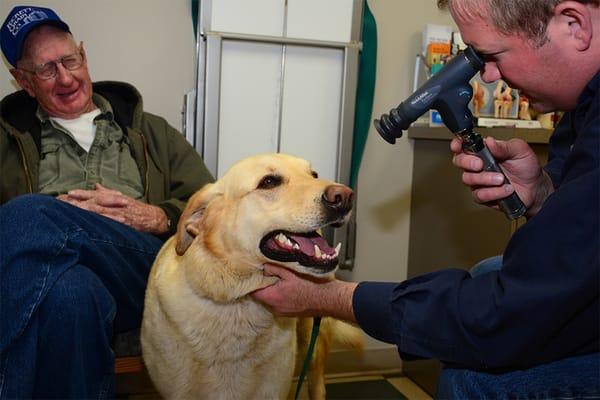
[473, 143]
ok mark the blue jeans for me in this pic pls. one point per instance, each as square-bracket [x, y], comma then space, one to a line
[69, 280]
[571, 378]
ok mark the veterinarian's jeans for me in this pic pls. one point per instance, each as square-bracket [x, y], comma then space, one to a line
[69, 280]
[572, 378]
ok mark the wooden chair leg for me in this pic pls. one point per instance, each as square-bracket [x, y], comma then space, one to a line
[131, 379]
[124, 365]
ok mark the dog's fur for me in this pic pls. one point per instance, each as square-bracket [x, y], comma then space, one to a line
[203, 335]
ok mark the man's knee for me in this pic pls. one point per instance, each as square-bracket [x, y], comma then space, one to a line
[487, 265]
[574, 377]
[80, 300]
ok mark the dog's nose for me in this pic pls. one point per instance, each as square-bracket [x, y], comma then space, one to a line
[338, 198]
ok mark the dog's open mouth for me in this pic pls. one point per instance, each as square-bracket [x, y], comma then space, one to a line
[308, 249]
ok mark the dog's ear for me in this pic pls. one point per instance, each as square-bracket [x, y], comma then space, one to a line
[189, 225]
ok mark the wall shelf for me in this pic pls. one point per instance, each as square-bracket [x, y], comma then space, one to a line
[533, 136]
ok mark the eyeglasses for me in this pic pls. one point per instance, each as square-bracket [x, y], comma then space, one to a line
[49, 70]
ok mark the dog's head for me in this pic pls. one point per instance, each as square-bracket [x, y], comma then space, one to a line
[266, 208]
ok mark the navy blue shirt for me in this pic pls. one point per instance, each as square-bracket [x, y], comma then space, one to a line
[542, 305]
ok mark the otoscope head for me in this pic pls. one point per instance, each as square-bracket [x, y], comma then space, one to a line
[390, 126]
[474, 58]
[448, 91]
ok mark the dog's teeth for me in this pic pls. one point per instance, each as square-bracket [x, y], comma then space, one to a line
[281, 238]
[289, 242]
[337, 249]
[296, 247]
[317, 252]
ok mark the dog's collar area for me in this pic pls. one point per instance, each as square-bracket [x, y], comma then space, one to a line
[308, 249]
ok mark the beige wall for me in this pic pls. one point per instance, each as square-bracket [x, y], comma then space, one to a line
[385, 178]
[150, 44]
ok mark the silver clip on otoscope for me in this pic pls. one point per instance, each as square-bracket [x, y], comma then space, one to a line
[449, 92]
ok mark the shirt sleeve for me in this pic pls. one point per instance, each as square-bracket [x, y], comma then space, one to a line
[371, 303]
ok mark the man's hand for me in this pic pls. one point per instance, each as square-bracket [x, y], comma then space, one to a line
[115, 205]
[301, 295]
[519, 163]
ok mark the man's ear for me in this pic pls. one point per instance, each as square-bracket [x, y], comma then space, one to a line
[190, 223]
[83, 53]
[23, 80]
[578, 17]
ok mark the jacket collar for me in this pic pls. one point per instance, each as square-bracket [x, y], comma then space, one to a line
[18, 109]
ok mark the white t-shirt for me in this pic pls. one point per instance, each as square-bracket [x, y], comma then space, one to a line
[82, 128]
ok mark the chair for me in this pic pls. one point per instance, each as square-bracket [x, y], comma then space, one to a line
[131, 376]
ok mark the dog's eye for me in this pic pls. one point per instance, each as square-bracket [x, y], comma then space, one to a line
[314, 174]
[270, 181]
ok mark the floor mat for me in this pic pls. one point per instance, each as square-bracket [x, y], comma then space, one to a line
[372, 390]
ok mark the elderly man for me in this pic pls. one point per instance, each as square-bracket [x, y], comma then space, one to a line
[90, 187]
[529, 327]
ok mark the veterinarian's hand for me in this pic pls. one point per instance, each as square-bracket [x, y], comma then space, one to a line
[115, 205]
[519, 163]
[301, 295]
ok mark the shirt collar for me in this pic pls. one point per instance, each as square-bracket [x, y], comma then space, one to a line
[590, 90]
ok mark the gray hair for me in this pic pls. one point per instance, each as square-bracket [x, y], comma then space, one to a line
[528, 18]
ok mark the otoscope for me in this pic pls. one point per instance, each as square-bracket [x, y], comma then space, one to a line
[449, 92]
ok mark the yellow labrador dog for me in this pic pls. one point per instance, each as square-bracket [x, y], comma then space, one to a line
[203, 335]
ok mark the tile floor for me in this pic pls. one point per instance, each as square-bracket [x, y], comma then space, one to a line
[376, 387]
[372, 387]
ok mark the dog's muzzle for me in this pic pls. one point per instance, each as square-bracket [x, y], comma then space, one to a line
[309, 248]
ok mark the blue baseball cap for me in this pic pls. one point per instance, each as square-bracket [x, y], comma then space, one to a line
[20, 21]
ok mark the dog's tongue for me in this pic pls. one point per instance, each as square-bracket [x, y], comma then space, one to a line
[307, 243]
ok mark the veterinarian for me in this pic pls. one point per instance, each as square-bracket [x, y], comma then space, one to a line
[525, 325]
[90, 187]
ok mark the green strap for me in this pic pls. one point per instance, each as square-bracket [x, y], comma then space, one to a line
[365, 92]
[309, 353]
[195, 17]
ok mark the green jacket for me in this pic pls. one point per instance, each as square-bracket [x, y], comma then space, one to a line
[170, 167]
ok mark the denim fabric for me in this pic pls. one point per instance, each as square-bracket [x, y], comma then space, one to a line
[571, 378]
[487, 265]
[69, 280]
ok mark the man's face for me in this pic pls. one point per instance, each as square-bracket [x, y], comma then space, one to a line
[69, 93]
[538, 72]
